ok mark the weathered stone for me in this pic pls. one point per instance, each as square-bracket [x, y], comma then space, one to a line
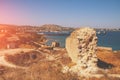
[81, 48]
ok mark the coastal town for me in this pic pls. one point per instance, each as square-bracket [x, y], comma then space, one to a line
[46, 28]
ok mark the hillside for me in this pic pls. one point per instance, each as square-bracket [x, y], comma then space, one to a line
[53, 27]
[43, 28]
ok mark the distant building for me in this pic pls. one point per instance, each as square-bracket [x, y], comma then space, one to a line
[55, 44]
[3, 30]
[11, 46]
[12, 42]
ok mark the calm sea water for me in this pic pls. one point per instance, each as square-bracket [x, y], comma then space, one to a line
[109, 39]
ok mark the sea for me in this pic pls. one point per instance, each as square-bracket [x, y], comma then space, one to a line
[107, 39]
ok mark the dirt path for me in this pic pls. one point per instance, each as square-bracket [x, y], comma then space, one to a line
[5, 63]
[105, 75]
[10, 52]
[114, 75]
[13, 51]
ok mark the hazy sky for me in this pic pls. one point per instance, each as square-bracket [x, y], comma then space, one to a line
[73, 13]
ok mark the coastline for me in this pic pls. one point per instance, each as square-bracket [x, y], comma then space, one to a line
[111, 40]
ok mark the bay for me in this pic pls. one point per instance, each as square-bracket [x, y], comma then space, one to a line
[109, 39]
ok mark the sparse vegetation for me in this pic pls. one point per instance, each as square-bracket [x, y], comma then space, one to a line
[45, 69]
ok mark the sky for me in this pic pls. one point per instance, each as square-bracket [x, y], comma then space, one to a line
[68, 13]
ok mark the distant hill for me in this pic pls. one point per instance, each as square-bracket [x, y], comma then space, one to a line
[46, 27]
[7, 26]
[53, 27]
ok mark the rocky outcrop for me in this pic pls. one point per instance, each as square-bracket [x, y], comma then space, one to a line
[81, 48]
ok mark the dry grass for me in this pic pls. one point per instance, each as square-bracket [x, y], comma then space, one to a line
[24, 59]
[45, 70]
[112, 58]
[50, 70]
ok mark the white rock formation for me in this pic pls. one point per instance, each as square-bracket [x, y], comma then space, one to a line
[81, 47]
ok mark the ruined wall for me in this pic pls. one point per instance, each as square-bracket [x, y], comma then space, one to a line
[81, 48]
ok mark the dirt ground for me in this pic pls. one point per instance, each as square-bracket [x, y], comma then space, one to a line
[46, 64]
